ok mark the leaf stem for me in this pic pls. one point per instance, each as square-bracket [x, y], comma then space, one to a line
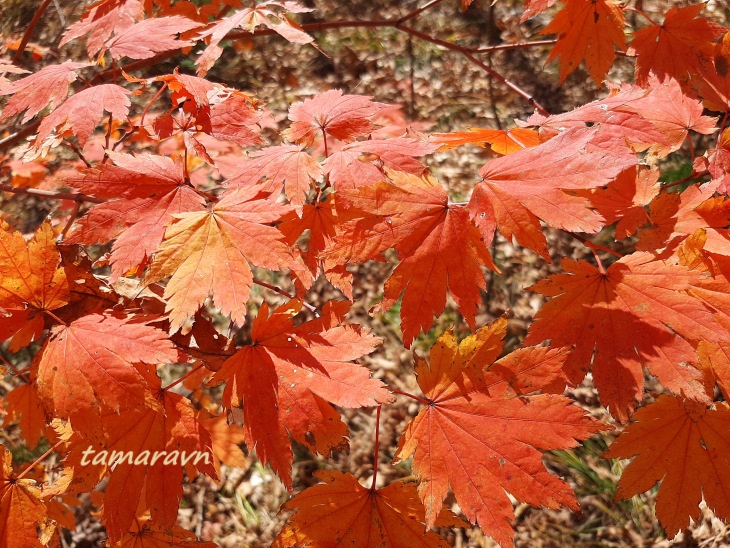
[39, 459]
[78, 152]
[280, 291]
[409, 395]
[16, 372]
[643, 14]
[185, 376]
[147, 108]
[71, 219]
[593, 247]
[377, 447]
[52, 315]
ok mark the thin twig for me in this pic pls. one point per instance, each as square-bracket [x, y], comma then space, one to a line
[517, 45]
[643, 14]
[71, 219]
[185, 376]
[78, 152]
[16, 372]
[409, 395]
[39, 459]
[280, 291]
[589, 244]
[377, 448]
[681, 181]
[29, 31]
[75, 196]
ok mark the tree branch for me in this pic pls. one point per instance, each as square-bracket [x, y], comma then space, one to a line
[29, 31]
[75, 196]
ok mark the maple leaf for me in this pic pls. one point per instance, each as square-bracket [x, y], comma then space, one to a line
[342, 509]
[439, 248]
[271, 14]
[155, 188]
[677, 47]
[501, 141]
[587, 29]
[148, 534]
[676, 216]
[79, 114]
[361, 163]
[719, 162]
[150, 37]
[633, 314]
[713, 81]
[657, 119]
[673, 113]
[682, 444]
[535, 7]
[210, 251]
[31, 283]
[481, 434]
[525, 186]
[288, 377]
[206, 107]
[21, 510]
[46, 88]
[289, 166]
[101, 20]
[127, 452]
[90, 363]
[22, 403]
[320, 219]
[624, 200]
[344, 117]
[225, 439]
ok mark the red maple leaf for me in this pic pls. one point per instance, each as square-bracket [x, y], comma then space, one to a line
[481, 433]
[287, 378]
[439, 248]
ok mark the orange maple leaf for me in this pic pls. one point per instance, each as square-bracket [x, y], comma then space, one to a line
[340, 511]
[153, 189]
[344, 117]
[320, 219]
[31, 282]
[21, 510]
[624, 200]
[287, 166]
[286, 377]
[481, 435]
[632, 314]
[439, 248]
[88, 365]
[79, 114]
[587, 29]
[676, 216]
[519, 189]
[148, 534]
[684, 445]
[210, 251]
[149, 446]
[677, 48]
[501, 141]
